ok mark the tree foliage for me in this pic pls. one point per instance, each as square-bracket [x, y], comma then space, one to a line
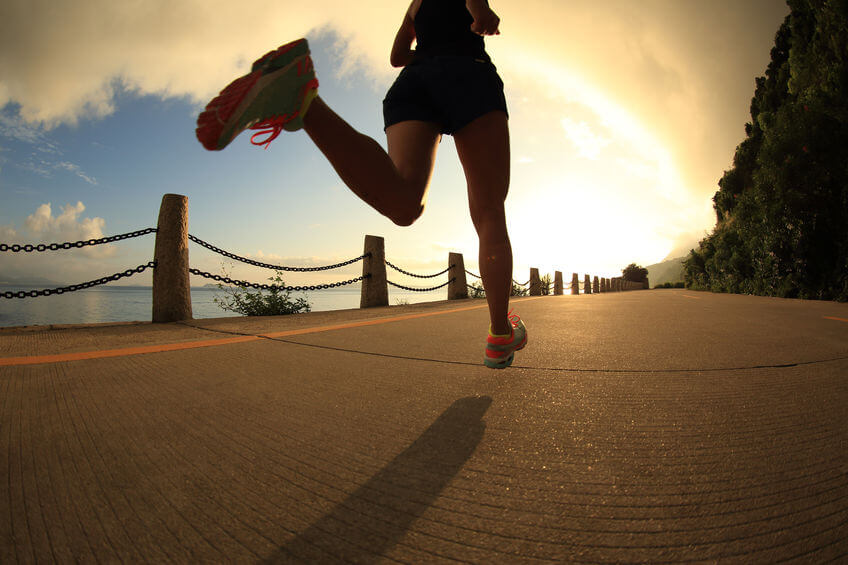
[635, 273]
[782, 208]
[274, 302]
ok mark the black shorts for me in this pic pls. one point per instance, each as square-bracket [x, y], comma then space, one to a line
[446, 90]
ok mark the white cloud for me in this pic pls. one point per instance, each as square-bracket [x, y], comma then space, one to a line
[71, 167]
[588, 143]
[8, 233]
[68, 226]
[63, 60]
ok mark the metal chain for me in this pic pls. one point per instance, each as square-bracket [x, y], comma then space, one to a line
[472, 274]
[520, 284]
[234, 282]
[420, 289]
[80, 286]
[418, 276]
[220, 251]
[29, 248]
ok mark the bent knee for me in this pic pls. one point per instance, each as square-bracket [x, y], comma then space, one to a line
[408, 216]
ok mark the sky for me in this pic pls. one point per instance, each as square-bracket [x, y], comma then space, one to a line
[624, 114]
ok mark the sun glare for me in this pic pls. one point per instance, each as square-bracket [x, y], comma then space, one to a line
[609, 192]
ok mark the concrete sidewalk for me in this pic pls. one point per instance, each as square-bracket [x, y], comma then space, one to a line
[649, 426]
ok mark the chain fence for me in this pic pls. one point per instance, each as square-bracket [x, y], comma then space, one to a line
[29, 248]
[259, 286]
[229, 255]
[412, 289]
[41, 247]
[80, 286]
[398, 269]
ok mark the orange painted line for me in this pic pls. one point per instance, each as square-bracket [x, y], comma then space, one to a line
[104, 353]
[835, 318]
[362, 323]
[692, 297]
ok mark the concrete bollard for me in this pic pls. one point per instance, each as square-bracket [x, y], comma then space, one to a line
[587, 285]
[458, 287]
[596, 285]
[646, 285]
[557, 283]
[575, 285]
[375, 289]
[535, 282]
[171, 287]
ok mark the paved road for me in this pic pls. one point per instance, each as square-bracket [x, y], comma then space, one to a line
[651, 426]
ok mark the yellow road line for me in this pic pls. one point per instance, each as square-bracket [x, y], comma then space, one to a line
[158, 348]
[835, 318]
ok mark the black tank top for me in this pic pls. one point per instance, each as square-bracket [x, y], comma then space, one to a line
[443, 27]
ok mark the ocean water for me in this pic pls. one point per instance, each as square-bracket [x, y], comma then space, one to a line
[129, 304]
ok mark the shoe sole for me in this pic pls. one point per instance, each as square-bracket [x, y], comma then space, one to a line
[216, 124]
[503, 364]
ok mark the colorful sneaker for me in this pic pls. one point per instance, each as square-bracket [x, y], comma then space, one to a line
[274, 96]
[500, 351]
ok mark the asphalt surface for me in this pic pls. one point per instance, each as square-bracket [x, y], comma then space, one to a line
[648, 426]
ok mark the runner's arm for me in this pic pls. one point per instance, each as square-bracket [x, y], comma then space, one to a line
[486, 22]
[402, 52]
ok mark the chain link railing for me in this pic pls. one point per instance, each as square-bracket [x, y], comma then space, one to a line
[412, 289]
[260, 286]
[80, 286]
[41, 247]
[29, 248]
[398, 269]
[229, 255]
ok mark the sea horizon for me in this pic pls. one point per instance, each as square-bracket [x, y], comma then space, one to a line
[134, 303]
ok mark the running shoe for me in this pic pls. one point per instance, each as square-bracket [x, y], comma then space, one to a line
[274, 96]
[500, 350]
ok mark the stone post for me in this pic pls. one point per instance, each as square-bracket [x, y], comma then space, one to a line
[535, 282]
[575, 284]
[375, 289]
[458, 287]
[171, 288]
[596, 285]
[646, 285]
[587, 285]
[557, 283]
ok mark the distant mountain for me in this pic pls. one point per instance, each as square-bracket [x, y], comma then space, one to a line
[28, 282]
[670, 270]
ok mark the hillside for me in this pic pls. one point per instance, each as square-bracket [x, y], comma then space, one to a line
[782, 207]
[667, 271]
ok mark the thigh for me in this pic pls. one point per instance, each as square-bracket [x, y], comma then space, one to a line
[483, 149]
[412, 148]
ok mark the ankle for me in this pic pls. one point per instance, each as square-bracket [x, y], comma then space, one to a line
[500, 330]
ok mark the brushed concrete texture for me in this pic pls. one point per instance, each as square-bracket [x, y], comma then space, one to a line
[649, 426]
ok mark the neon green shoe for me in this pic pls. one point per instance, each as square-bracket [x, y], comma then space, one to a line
[500, 351]
[274, 96]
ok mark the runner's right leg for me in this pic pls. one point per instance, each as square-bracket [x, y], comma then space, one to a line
[394, 183]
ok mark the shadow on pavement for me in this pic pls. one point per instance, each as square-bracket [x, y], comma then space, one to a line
[375, 517]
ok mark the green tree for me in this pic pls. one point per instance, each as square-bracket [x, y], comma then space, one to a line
[782, 208]
[634, 273]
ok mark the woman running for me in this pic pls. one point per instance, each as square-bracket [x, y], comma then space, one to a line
[448, 85]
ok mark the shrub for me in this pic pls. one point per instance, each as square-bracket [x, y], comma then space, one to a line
[276, 301]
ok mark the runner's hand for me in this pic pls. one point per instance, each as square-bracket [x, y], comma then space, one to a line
[486, 22]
